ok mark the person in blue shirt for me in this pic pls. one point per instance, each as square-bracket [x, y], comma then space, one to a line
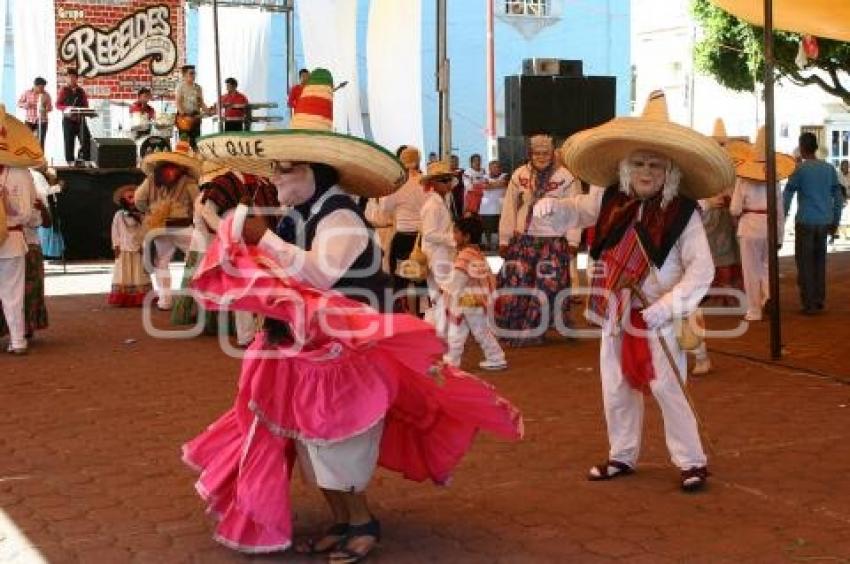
[819, 203]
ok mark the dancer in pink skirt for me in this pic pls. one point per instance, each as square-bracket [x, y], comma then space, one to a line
[332, 383]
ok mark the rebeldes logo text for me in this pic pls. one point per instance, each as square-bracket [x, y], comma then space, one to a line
[139, 36]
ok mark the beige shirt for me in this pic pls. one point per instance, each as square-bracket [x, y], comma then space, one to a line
[181, 197]
[750, 195]
[518, 202]
[189, 98]
[405, 205]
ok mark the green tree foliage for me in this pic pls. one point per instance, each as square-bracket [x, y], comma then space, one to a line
[732, 52]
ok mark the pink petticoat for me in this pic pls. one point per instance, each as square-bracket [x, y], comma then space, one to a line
[353, 367]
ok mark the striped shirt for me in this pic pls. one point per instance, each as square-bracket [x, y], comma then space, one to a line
[35, 103]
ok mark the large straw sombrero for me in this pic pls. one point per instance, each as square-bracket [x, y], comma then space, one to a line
[364, 168]
[211, 170]
[438, 169]
[594, 155]
[18, 146]
[181, 156]
[750, 159]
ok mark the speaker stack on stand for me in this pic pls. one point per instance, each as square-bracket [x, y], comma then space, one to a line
[552, 96]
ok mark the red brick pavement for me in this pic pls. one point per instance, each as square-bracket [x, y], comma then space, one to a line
[90, 466]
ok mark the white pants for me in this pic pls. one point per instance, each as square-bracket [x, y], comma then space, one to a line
[476, 322]
[165, 245]
[245, 327]
[754, 266]
[346, 466]
[624, 405]
[440, 265]
[12, 276]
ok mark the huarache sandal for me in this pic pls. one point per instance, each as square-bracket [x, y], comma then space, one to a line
[346, 555]
[311, 546]
[608, 471]
[694, 479]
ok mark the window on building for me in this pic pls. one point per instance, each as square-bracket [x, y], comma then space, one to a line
[532, 8]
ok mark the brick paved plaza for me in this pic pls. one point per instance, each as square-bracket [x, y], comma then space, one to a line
[93, 420]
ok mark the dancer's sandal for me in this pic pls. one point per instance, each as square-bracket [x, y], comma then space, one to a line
[694, 479]
[312, 546]
[608, 471]
[346, 555]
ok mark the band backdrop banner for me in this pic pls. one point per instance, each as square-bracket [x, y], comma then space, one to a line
[121, 45]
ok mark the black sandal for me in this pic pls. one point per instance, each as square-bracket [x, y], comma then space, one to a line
[694, 479]
[345, 555]
[309, 547]
[608, 471]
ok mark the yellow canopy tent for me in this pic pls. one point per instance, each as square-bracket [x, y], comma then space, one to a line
[823, 18]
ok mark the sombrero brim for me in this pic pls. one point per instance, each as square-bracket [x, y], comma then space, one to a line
[191, 164]
[20, 148]
[364, 168]
[426, 177]
[750, 166]
[120, 191]
[594, 155]
[211, 170]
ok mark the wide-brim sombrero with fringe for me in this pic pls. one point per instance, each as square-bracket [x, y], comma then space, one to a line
[181, 156]
[594, 155]
[364, 168]
[750, 160]
[18, 146]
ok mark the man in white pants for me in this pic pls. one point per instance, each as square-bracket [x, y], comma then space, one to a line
[438, 241]
[167, 198]
[19, 149]
[653, 265]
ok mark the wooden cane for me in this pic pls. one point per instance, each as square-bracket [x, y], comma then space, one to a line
[679, 378]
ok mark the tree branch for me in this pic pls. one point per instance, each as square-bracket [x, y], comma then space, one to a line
[835, 89]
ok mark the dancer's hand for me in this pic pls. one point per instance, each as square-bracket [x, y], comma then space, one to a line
[655, 315]
[544, 207]
[254, 229]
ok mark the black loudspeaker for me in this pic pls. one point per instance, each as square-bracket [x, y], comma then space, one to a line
[600, 99]
[512, 152]
[513, 114]
[108, 152]
[537, 104]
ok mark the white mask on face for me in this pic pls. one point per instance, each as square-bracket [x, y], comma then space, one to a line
[295, 183]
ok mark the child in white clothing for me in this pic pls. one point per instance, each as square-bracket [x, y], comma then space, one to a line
[470, 289]
[130, 281]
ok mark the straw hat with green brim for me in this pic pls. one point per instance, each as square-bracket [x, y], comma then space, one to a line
[438, 170]
[750, 161]
[181, 156]
[118, 195]
[594, 155]
[364, 168]
[18, 146]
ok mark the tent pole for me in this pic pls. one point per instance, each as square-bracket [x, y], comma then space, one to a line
[217, 67]
[290, 46]
[770, 150]
[445, 141]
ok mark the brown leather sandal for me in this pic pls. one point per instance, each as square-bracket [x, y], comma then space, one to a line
[610, 470]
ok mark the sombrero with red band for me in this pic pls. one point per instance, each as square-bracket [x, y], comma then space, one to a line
[364, 168]
[18, 146]
[181, 156]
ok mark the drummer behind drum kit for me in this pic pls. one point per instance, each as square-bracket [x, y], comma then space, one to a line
[159, 133]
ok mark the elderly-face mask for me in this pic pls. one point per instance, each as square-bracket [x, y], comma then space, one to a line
[295, 182]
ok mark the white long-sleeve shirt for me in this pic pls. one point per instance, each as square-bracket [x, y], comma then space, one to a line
[341, 237]
[405, 204]
[127, 233]
[519, 199]
[17, 192]
[682, 280]
[437, 227]
[752, 195]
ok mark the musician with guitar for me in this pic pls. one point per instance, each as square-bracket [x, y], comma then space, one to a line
[74, 125]
[189, 99]
[142, 125]
[37, 104]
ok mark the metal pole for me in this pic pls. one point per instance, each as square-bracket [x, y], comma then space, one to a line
[770, 154]
[290, 45]
[443, 82]
[217, 68]
[491, 86]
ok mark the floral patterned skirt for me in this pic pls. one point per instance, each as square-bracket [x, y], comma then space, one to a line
[534, 267]
[35, 308]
